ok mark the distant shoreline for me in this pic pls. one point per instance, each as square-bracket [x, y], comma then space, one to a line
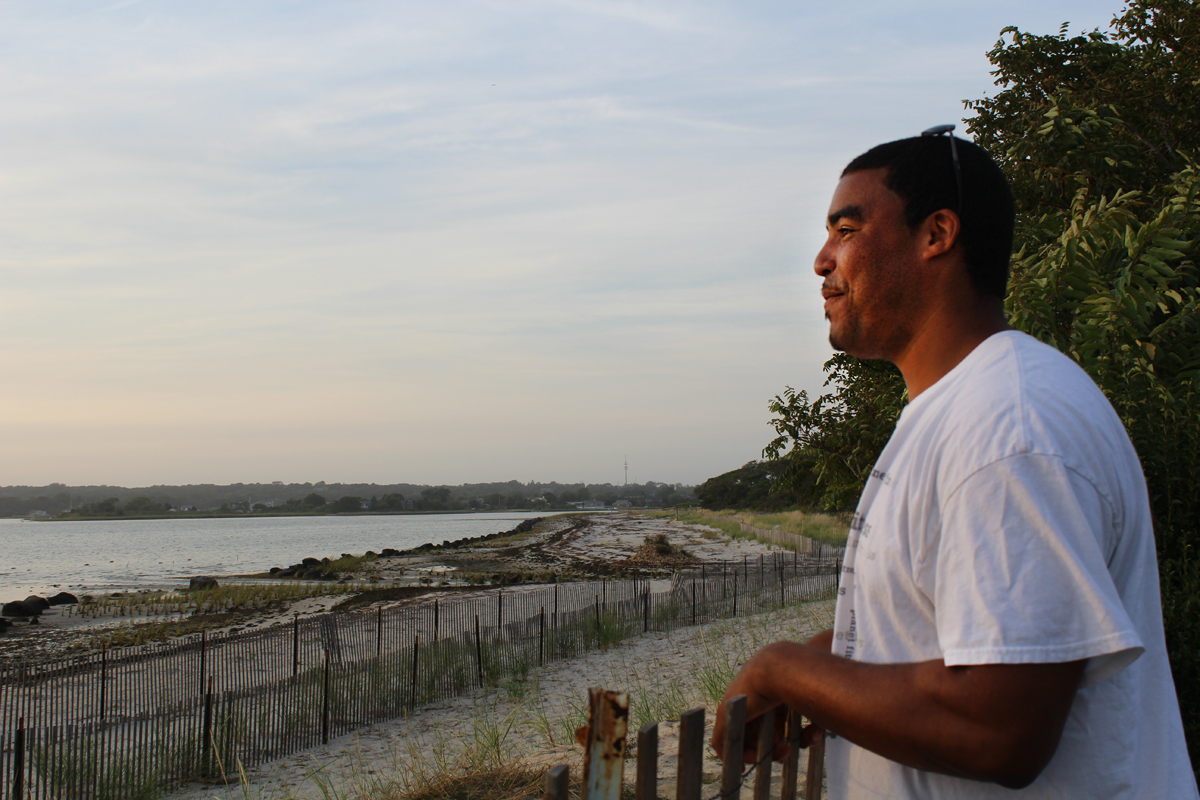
[233, 515]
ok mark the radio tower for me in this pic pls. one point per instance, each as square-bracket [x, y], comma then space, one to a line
[626, 470]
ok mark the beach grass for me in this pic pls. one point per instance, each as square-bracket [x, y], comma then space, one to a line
[822, 527]
[157, 615]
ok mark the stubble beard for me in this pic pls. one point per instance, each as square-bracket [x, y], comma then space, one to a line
[839, 340]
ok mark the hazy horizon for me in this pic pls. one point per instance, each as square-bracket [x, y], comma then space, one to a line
[434, 243]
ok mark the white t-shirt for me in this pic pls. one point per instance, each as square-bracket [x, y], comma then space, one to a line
[1007, 522]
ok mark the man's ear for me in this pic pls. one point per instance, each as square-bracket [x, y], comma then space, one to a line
[939, 232]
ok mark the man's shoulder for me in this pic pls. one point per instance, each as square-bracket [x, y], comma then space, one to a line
[1012, 375]
[1014, 395]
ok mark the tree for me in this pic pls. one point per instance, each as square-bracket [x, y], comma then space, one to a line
[749, 486]
[346, 505]
[144, 505]
[392, 501]
[826, 447]
[312, 501]
[436, 499]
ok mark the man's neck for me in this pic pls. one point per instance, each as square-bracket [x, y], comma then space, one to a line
[944, 339]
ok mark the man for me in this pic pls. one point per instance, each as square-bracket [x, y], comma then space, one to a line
[998, 623]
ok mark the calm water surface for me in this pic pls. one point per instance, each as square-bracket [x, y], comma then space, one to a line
[48, 557]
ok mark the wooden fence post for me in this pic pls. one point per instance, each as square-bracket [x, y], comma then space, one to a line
[416, 653]
[203, 654]
[499, 608]
[206, 743]
[791, 766]
[735, 742]
[604, 750]
[104, 680]
[816, 770]
[478, 650]
[378, 631]
[646, 610]
[688, 779]
[693, 601]
[766, 743]
[557, 781]
[542, 637]
[646, 787]
[435, 619]
[18, 782]
[325, 702]
[296, 644]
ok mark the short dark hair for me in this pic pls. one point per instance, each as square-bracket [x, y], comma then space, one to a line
[921, 172]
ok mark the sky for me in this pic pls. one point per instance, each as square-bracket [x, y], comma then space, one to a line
[437, 243]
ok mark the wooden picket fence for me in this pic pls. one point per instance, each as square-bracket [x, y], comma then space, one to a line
[604, 742]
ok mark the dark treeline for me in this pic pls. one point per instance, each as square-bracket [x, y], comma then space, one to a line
[331, 498]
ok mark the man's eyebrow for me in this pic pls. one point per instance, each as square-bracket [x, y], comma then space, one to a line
[847, 212]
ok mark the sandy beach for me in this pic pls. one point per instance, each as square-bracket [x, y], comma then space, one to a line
[532, 721]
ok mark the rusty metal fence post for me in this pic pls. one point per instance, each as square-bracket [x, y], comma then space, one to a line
[604, 749]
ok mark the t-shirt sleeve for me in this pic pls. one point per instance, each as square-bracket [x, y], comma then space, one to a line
[1021, 571]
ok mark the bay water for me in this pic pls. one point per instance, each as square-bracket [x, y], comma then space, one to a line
[102, 556]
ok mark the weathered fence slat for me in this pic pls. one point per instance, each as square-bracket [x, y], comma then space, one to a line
[690, 768]
[646, 787]
[791, 765]
[816, 770]
[766, 747]
[557, 782]
[735, 745]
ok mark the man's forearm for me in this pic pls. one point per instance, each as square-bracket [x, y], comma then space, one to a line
[998, 723]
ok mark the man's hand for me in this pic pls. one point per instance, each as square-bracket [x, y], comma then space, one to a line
[994, 722]
[760, 706]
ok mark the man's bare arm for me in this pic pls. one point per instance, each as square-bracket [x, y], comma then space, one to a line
[995, 722]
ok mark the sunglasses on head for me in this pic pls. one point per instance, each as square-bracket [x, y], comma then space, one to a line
[938, 130]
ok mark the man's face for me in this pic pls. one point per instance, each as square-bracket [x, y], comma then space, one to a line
[869, 266]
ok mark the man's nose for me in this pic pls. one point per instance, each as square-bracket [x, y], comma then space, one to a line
[824, 264]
